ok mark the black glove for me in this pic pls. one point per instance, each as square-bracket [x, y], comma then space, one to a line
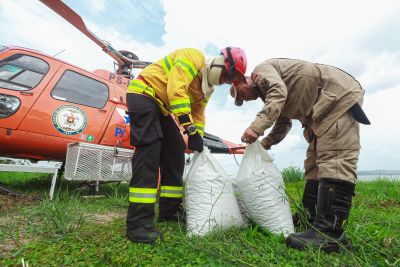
[195, 142]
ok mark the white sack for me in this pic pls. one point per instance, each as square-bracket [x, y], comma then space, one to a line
[209, 197]
[261, 186]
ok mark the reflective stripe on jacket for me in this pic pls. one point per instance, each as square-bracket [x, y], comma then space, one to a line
[175, 84]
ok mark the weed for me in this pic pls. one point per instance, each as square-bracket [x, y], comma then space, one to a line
[118, 198]
[11, 231]
[292, 174]
[63, 214]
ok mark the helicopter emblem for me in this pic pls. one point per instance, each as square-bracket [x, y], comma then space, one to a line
[69, 120]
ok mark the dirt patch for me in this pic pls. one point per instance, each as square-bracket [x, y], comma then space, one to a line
[390, 203]
[104, 218]
[10, 202]
[13, 234]
[13, 225]
[8, 245]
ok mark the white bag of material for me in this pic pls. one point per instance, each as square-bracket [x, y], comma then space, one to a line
[209, 197]
[261, 186]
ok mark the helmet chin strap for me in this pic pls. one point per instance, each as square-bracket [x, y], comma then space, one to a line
[216, 65]
[259, 93]
[232, 67]
[214, 74]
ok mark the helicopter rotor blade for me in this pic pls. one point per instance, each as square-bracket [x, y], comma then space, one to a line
[73, 18]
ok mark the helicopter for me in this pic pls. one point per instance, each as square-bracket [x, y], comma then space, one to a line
[47, 103]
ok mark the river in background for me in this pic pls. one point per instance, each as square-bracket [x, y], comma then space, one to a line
[366, 178]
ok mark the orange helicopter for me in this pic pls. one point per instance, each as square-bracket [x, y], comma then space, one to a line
[47, 103]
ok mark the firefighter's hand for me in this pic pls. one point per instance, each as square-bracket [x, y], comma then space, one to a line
[266, 144]
[249, 136]
[195, 142]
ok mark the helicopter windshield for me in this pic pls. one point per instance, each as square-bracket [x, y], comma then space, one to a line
[22, 72]
[2, 48]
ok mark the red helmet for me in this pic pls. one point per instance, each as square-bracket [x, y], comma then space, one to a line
[235, 60]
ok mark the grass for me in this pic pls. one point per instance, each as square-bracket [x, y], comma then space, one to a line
[292, 174]
[74, 231]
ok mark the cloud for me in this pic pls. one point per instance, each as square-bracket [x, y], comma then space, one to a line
[45, 31]
[382, 71]
[266, 29]
[371, 54]
[380, 140]
[97, 7]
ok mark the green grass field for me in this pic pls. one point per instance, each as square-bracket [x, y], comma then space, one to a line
[76, 231]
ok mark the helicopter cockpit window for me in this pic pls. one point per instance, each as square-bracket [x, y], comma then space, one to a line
[79, 89]
[22, 72]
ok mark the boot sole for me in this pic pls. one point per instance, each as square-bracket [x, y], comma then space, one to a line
[171, 220]
[142, 241]
[151, 242]
[327, 247]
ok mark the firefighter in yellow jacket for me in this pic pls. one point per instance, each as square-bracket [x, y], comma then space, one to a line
[326, 100]
[180, 84]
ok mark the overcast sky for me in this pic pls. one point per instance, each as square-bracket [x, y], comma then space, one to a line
[361, 37]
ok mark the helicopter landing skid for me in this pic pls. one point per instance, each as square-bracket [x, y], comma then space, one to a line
[7, 191]
[92, 188]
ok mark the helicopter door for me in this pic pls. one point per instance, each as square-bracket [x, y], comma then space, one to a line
[73, 106]
[23, 76]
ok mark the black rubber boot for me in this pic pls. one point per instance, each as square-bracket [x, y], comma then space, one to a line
[171, 210]
[333, 209]
[309, 201]
[179, 216]
[146, 234]
[139, 223]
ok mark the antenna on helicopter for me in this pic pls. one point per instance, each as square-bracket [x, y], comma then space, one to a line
[59, 53]
[126, 60]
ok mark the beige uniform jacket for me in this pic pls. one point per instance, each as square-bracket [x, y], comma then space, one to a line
[315, 94]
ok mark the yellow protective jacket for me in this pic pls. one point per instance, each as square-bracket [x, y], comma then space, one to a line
[174, 82]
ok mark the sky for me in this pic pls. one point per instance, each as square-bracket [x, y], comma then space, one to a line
[360, 37]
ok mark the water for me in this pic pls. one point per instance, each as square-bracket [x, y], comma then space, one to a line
[365, 178]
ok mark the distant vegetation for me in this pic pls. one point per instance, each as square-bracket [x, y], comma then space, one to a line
[6, 161]
[13, 161]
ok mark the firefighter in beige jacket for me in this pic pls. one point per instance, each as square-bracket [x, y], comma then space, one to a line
[326, 100]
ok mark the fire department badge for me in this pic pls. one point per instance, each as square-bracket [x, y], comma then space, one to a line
[69, 120]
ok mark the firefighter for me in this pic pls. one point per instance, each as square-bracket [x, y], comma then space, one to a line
[327, 101]
[180, 84]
